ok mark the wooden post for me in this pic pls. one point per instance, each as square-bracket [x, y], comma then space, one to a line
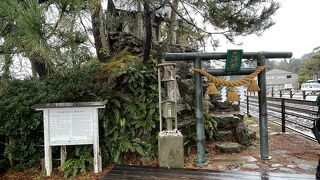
[283, 116]
[47, 147]
[63, 154]
[96, 156]
[248, 106]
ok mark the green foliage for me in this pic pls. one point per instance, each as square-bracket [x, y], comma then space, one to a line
[67, 86]
[24, 30]
[210, 125]
[55, 39]
[72, 167]
[132, 112]
[293, 65]
[127, 125]
[80, 161]
[242, 17]
[120, 60]
[189, 130]
[20, 123]
[309, 67]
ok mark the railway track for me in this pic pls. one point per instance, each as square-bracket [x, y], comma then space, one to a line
[298, 115]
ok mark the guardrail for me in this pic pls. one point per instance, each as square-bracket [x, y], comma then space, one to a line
[281, 108]
[272, 92]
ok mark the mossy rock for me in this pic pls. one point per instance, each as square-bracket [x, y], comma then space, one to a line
[120, 60]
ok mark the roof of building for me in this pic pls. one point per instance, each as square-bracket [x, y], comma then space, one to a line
[278, 71]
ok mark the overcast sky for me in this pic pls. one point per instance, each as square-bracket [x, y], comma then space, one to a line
[297, 29]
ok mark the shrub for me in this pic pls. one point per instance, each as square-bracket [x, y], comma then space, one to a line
[128, 124]
[189, 130]
[20, 125]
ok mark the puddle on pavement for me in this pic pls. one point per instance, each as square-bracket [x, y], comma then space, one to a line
[234, 160]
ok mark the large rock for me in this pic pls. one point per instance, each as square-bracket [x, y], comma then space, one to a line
[230, 147]
[184, 70]
[235, 124]
[186, 88]
[225, 106]
[244, 135]
[206, 104]
[224, 136]
[227, 121]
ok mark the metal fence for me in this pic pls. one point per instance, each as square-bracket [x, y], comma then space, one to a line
[291, 93]
[297, 115]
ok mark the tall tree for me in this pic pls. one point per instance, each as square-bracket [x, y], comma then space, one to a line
[309, 67]
[295, 65]
[25, 32]
[148, 30]
[48, 34]
[229, 18]
[173, 22]
[100, 33]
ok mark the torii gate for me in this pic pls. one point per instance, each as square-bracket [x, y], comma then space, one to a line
[197, 57]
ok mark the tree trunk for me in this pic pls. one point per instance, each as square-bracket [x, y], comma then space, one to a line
[173, 22]
[101, 39]
[139, 20]
[33, 69]
[11, 161]
[39, 65]
[111, 8]
[6, 66]
[148, 30]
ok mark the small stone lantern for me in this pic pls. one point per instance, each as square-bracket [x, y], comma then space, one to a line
[170, 141]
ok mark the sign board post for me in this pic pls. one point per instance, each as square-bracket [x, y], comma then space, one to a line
[70, 124]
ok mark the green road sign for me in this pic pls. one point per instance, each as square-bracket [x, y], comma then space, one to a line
[233, 62]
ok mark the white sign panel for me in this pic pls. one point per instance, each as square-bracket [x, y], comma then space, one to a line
[71, 126]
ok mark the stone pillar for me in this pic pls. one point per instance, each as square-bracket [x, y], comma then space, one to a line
[170, 145]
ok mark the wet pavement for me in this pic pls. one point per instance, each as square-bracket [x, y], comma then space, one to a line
[289, 152]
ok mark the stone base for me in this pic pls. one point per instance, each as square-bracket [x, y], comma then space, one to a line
[170, 146]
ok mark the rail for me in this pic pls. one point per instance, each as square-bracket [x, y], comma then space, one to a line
[291, 93]
[300, 114]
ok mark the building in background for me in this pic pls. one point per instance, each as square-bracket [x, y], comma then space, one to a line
[281, 80]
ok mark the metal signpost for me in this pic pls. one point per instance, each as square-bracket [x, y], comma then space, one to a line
[197, 57]
[70, 124]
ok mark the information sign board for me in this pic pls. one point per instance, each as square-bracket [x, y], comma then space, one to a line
[70, 124]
